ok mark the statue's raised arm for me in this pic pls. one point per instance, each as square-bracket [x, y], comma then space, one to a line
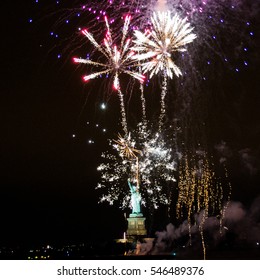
[130, 186]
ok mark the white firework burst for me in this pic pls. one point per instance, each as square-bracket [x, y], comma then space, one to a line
[154, 173]
[169, 34]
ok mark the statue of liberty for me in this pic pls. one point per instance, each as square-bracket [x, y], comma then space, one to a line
[135, 199]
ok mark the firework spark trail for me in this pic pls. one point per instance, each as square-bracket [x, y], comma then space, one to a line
[144, 119]
[143, 103]
[163, 94]
[123, 113]
[117, 61]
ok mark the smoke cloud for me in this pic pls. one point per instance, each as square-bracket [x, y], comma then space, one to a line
[239, 226]
[248, 160]
[244, 156]
[224, 151]
[161, 6]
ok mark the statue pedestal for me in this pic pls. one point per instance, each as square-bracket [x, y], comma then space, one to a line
[136, 225]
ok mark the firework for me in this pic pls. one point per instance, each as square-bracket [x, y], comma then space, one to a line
[169, 35]
[225, 38]
[155, 50]
[216, 23]
[125, 149]
[148, 161]
[117, 61]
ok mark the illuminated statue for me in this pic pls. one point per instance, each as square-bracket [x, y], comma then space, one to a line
[135, 199]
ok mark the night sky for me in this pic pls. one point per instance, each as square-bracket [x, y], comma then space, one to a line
[48, 176]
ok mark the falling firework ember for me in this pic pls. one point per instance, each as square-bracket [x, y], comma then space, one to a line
[200, 191]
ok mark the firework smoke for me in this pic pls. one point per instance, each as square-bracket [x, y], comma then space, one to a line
[161, 6]
[242, 224]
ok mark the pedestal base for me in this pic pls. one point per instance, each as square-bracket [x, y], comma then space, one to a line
[134, 215]
[136, 225]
